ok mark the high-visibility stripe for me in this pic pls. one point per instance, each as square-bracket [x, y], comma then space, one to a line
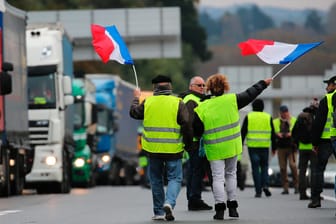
[219, 140]
[221, 128]
[157, 129]
[163, 140]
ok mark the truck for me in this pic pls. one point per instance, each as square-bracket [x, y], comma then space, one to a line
[85, 123]
[50, 103]
[14, 133]
[117, 154]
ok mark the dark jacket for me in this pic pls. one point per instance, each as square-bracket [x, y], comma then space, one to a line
[191, 105]
[244, 132]
[137, 112]
[243, 99]
[320, 120]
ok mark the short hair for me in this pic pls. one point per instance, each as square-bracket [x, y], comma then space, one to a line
[217, 84]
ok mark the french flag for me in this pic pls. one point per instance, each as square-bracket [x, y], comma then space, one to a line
[273, 52]
[109, 45]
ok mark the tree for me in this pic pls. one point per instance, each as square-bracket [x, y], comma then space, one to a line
[313, 21]
[331, 20]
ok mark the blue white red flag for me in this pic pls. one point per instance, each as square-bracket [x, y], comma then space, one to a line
[109, 45]
[273, 52]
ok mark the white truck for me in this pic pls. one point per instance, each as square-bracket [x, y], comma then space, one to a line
[50, 73]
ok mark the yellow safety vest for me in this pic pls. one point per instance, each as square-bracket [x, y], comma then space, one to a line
[326, 134]
[220, 117]
[259, 130]
[161, 133]
[276, 124]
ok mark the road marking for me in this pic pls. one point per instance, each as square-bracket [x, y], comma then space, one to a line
[6, 212]
[329, 198]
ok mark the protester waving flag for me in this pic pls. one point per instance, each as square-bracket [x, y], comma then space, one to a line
[109, 45]
[273, 52]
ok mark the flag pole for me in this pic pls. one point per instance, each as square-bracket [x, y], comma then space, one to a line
[136, 77]
[283, 68]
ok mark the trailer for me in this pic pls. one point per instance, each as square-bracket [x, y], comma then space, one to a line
[116, 132]
[14, 142]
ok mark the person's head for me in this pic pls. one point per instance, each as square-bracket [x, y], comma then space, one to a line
[217, 84]
[284, 112]
[197, 84]
[314, 103]
[258, 105]
[331, 84]
[161, 82]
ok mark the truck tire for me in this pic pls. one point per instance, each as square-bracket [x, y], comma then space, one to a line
[4, 172]
[17, 171]
[65, 186]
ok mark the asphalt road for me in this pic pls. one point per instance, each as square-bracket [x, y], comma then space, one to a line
[109, 205]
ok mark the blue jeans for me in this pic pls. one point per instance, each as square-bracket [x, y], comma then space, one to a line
[325, 149]
[259, 163]
[157, 168]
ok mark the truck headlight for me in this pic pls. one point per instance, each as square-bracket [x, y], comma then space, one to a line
[79, 162]
[50, 160]
[106, 158]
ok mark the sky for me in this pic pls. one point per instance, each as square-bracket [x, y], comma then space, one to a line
[292, 4]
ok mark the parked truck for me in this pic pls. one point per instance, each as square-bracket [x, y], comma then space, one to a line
[50, 74]
[14, 142]
[85, 122]
[116, 131]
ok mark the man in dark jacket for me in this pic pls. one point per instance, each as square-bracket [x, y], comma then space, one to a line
[166, 131]
[321, 141]
[197, 164]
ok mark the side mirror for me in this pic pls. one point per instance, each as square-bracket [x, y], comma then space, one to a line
[68, 100]
[7, 67]
[67, 85]
[6, 79]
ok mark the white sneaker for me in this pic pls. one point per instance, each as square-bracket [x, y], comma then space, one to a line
[169, 212]
[158, 218]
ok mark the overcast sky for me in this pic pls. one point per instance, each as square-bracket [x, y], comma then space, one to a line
[294, 4]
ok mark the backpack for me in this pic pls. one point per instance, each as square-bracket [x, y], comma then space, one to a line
[304, 127]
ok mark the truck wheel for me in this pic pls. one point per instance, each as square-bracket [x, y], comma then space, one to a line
[4, 174]
[114, 173]
[65, 186]
[18, 172]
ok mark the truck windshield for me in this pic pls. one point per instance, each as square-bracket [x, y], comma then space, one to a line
[41, 91]
[103, 121]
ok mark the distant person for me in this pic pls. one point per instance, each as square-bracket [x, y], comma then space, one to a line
[166, 128]
[283, 126]
[323, 136]
[217, 122]
[258, 132]
[197, 162]
[302, 135]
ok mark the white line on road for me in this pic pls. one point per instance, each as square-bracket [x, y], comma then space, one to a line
[6, 212]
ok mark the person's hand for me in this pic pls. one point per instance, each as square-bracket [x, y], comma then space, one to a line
[137, 93]
[315, 149]
[268, 81]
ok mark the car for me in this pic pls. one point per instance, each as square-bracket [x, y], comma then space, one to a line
[275, 177]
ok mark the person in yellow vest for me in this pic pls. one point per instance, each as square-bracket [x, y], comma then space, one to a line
[286, 151]
[217, 122]
[258, 131]
[321, 139]
[302, 135]
[196, 165]
[166, 129]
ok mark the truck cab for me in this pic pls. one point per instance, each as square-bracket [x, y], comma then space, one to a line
[50, 73]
